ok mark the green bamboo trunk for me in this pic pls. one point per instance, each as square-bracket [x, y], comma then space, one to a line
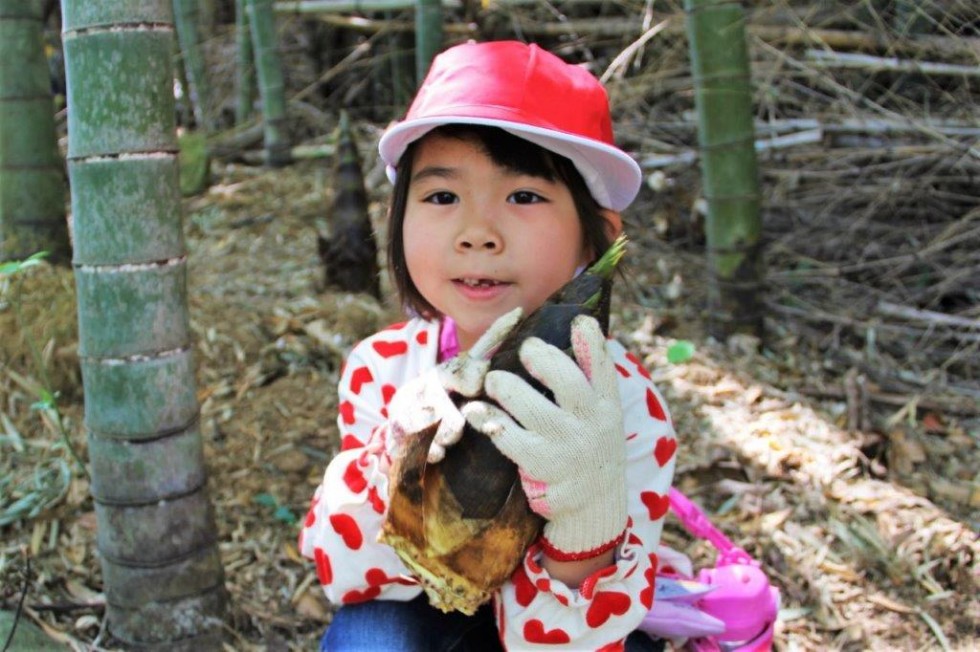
[719, 59]
[32, 177]
[187, 19]
[245, 68]
[271, 86]
[428, 35]
[156, 537]
[402, 83]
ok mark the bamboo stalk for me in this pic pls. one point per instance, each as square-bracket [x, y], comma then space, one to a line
[245, 68]
[271, 84]
[161, 569]
[32, 183]
[428, 35]
[186, 15]
[723, 98]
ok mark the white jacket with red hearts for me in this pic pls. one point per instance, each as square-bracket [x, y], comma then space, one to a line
[532, 609]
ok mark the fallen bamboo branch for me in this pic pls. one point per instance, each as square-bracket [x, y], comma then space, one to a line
[928, 316]
[619, 64]
[371, 25]
[298, 153]
[787, 35]
[688, 157]
[824, 59]
[962, 405]
[813, 314]
[861, 100]
[852, 126]
[346, 6]
[856, 40]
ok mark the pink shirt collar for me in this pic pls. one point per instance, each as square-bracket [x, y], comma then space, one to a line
[448, 340]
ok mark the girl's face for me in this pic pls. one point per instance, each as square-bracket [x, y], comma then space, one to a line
[481, 239]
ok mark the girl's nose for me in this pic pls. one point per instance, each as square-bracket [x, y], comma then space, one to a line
[479, 235]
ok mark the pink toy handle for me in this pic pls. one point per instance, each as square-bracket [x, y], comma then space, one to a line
[697, 523]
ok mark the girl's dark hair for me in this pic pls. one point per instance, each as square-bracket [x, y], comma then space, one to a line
[507, 151]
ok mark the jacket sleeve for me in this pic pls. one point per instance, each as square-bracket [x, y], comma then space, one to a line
[341, 528]
[535, 611]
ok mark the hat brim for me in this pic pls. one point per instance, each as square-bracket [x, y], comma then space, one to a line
[612, 176]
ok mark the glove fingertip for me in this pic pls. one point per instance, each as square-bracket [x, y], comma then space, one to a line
[494, 381]
[436, 454]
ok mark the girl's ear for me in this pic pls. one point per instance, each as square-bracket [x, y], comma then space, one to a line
[613, 223]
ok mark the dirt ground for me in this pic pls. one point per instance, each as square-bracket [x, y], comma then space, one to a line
[869, 533]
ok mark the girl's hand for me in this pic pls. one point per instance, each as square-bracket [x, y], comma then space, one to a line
[571, 455]
[427, 400]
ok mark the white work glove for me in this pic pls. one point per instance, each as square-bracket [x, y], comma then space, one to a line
[572, 453]
[427, 400]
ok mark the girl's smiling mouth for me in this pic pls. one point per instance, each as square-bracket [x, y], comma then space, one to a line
[478, 282]
[480, 288]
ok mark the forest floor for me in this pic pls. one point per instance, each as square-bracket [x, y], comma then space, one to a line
[867, 523]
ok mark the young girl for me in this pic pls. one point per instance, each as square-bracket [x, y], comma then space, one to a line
[507, 184]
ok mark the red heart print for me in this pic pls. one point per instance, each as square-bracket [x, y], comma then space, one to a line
[389, 349]
[588, 585]
[377, 504]
[605, 605]
[311, 515]
[533, 565]
[347, 528]
[323, 569]
[347, 412]
[664, 450]
[654, 407]
[355, 596]
[534, 632]
[360, 376]
[646, 595]
[524, 590]
[354, 478]
[656, 504]
[397, 327]
[422, 337]
[639, 365]
[615, 646]
[349, 441]
[387, 391]
[623, 371]
[377, 577]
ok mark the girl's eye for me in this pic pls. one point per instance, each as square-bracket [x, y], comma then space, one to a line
[525, 197]
[441, 198]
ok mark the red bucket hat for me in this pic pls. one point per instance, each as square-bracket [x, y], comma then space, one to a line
[532, 94]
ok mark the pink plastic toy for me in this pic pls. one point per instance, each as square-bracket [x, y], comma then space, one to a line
[729, 608]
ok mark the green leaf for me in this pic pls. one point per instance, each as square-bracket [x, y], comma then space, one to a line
[13, 266]
[266, 500]
[284, 514]
[680, 351]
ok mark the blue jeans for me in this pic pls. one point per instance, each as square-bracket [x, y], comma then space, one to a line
[415, 626]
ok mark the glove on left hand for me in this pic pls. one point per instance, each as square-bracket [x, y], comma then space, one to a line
[427, 400]
[571, 456]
